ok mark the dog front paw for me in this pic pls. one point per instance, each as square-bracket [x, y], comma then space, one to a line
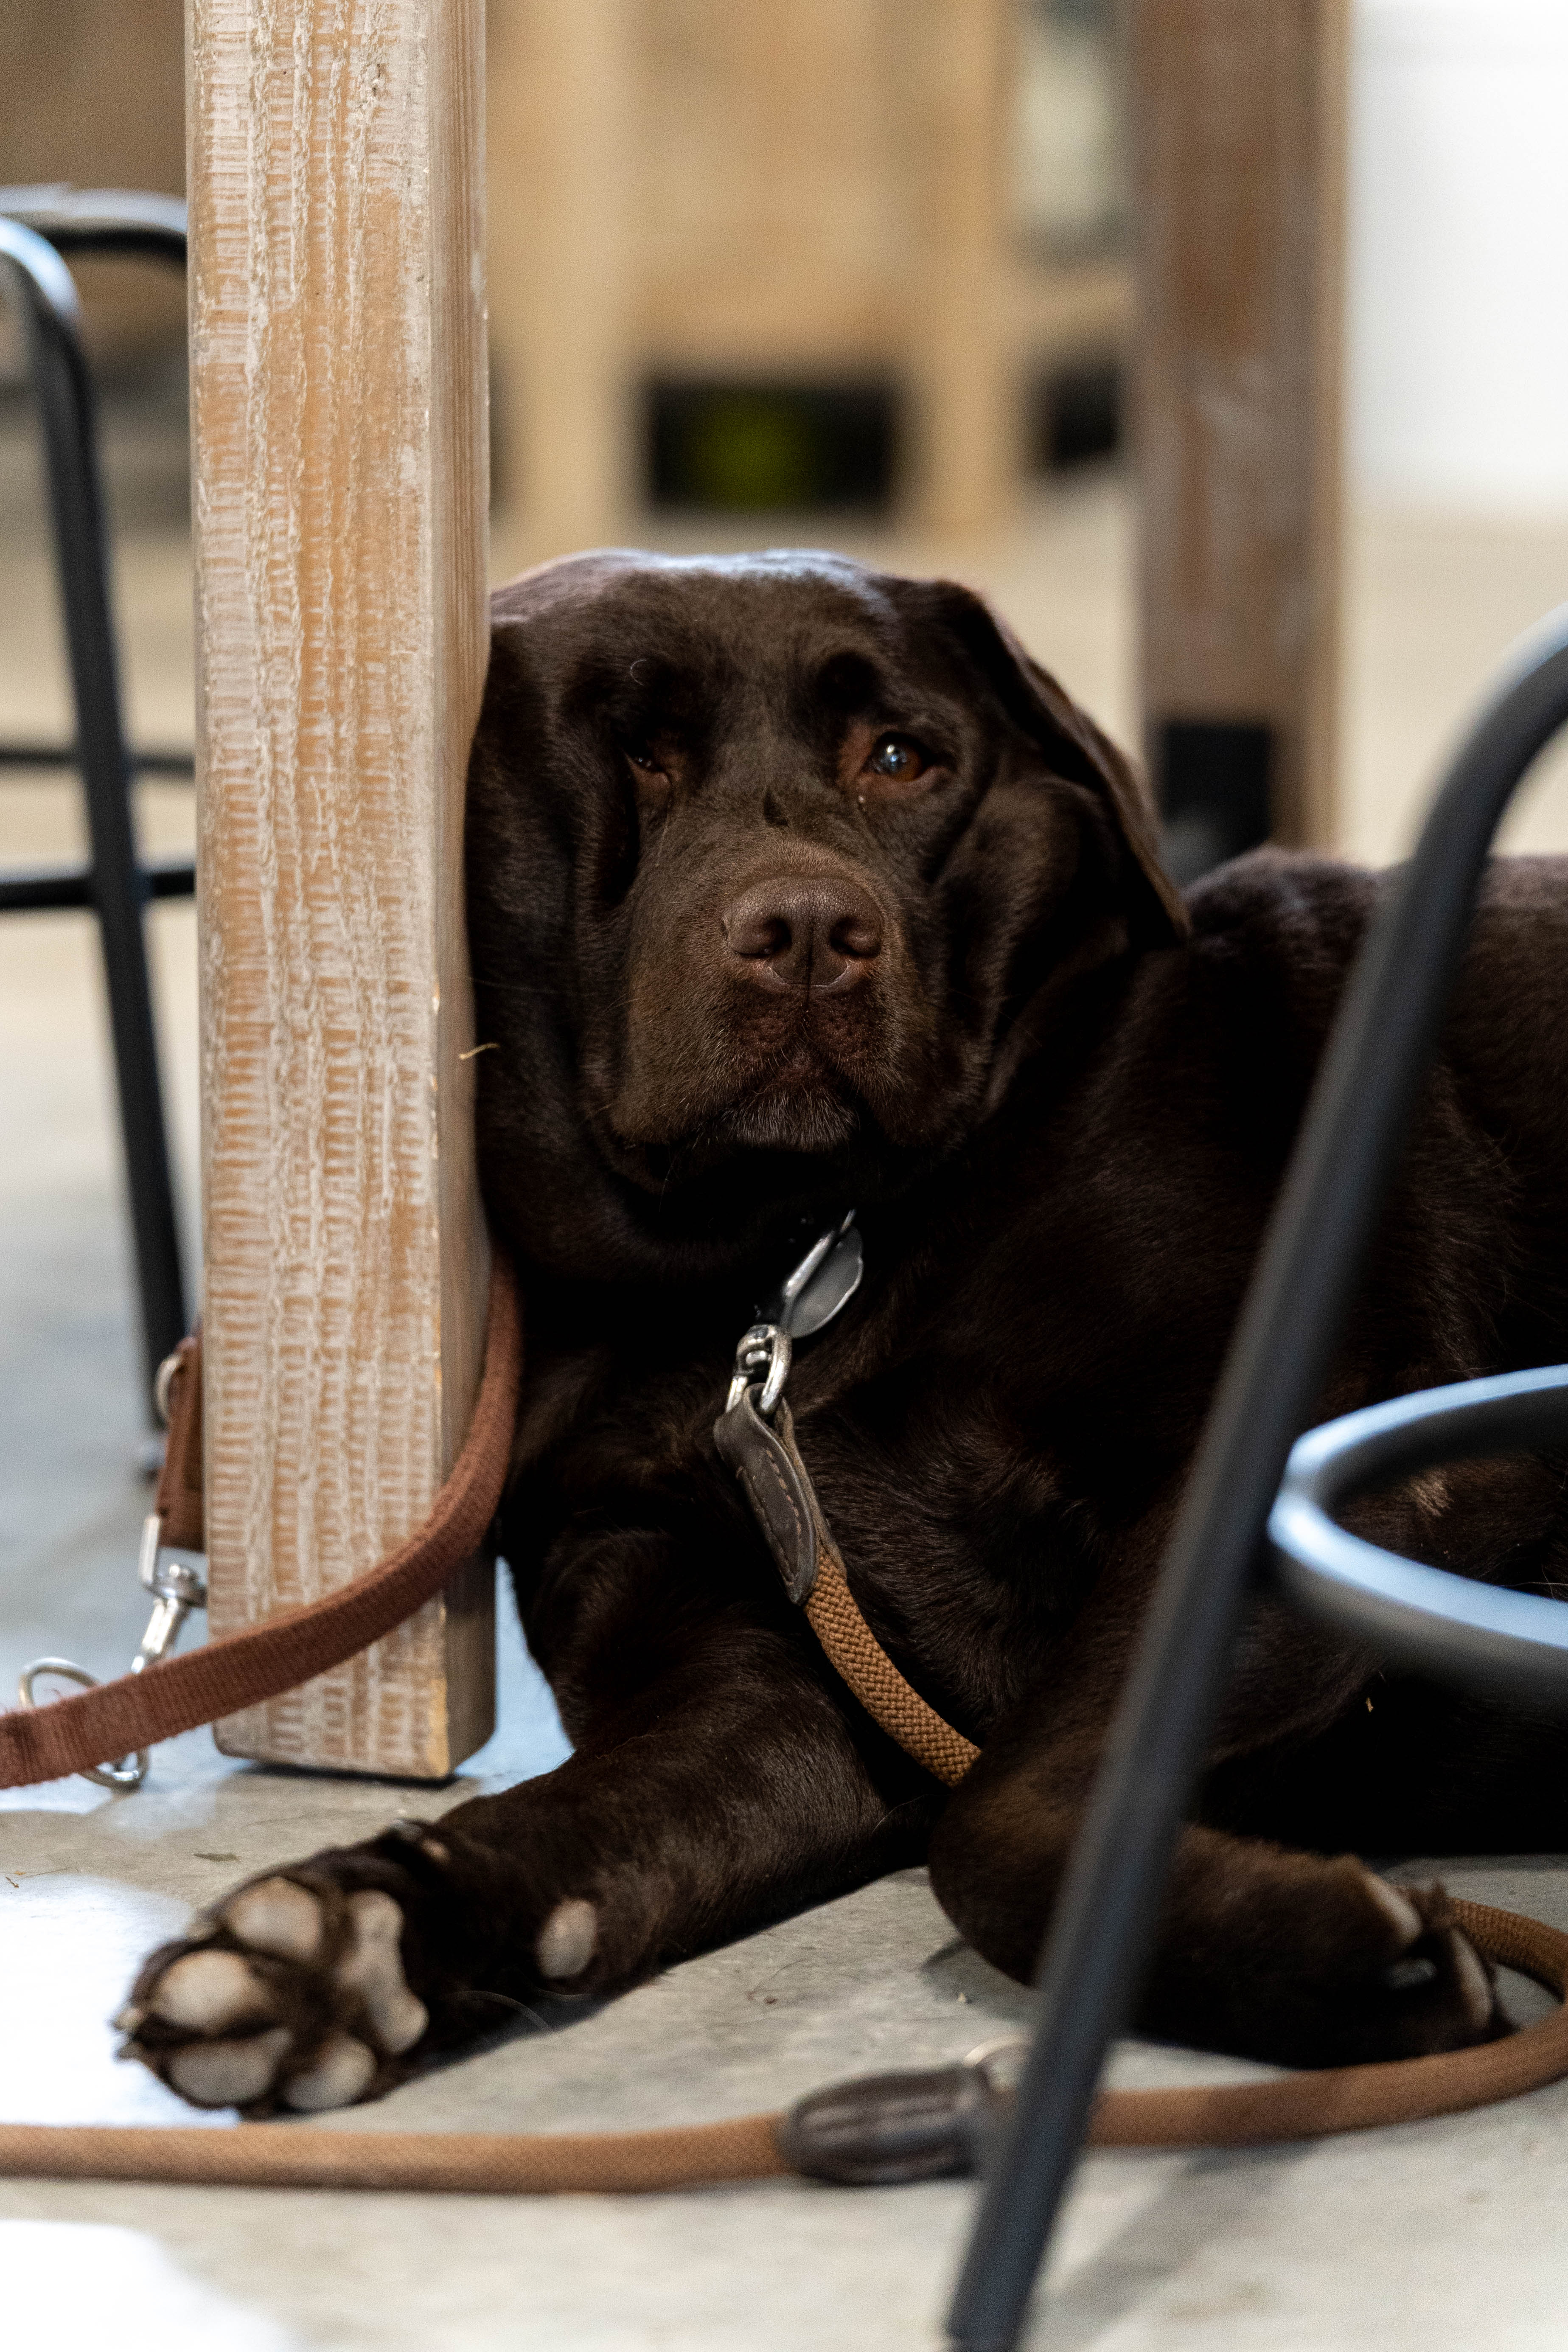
[326, 1982]
[292, 1993]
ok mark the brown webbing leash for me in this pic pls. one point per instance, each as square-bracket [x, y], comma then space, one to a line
[890, 2127]
[241, 1669]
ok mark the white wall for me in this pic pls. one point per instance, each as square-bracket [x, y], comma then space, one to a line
[1458, 254]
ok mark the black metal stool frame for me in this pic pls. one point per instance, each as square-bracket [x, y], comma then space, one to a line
[1452, 1628]
[1098, 1946]
[36, 226]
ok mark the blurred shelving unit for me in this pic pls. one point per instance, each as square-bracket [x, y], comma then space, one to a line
[913, 201]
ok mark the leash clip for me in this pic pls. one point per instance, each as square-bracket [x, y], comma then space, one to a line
[753, 1435]
[763, 1355]
[807, 1299]
[177, 1586]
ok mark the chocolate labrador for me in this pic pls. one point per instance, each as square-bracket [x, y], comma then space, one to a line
[796, 887]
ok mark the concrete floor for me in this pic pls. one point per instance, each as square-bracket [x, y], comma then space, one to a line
[1438, 2236]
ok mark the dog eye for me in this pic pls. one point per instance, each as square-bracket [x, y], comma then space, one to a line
[896, 758]
[647, 760]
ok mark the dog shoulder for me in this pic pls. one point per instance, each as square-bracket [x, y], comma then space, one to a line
[1286, 901]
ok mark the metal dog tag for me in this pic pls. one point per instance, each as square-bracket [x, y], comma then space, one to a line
[822, 1284]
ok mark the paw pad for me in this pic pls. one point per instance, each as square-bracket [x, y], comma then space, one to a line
[277, 1916]
[209, 1992]
[373, 1967]
[567, 1939]
[289, 1994]
[343, 2071]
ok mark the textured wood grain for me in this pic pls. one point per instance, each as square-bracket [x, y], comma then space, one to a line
[1238, 110]
[338, 379]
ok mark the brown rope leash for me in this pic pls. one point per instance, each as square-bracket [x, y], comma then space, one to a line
[266, 1659]
[267, 2156]
[859, 1659]
[1231, 2115]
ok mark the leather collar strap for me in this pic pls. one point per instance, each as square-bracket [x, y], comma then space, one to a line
[239, 1671]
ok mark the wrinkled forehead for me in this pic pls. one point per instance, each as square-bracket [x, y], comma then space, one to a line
[725, 629]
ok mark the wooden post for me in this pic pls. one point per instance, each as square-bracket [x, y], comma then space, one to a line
[338, 342]
[1237, 122]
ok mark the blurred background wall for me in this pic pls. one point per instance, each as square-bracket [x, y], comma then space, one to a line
[1459, 290]
[857, 270]
[833, 252]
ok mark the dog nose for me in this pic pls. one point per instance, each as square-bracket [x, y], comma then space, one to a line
[804, 931]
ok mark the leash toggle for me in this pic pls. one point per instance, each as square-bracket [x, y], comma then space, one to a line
[924, 2124]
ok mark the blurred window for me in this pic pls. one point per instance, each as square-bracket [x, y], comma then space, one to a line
[1070, 195]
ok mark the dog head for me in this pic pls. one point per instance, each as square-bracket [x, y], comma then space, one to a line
[774, 865]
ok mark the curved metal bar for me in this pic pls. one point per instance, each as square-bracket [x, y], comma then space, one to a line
[1453, 1627]
[102, 220]
[1102, 1926]
[47, 298]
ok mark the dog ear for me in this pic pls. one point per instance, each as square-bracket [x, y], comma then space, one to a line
[1077, 750]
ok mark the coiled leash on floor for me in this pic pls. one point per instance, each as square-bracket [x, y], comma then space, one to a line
[885, 2128]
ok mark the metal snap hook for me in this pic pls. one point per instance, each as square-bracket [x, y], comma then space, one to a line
[763, 1355]
[125, 1775]
[163, 1385]
[176, 1587]
[1000, 2060]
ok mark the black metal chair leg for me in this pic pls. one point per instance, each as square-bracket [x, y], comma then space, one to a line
[49, 305]
[1100, 1936]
